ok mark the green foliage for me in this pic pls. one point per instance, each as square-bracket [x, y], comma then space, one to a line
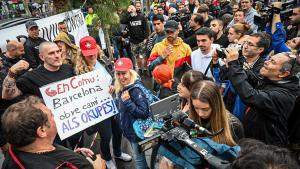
[106, 10]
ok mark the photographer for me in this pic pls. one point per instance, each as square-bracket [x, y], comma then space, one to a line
[251, 60]
[270, 100]
[277, 32]
[196, 22]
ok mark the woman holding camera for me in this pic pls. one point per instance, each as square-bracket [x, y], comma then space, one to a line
[208, 110]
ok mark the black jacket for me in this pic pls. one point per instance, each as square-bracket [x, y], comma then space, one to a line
[192, 41]
[225, 8]
[270, 102]
[138, 27]
[31, 47]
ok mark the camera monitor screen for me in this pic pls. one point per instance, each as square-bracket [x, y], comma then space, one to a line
[165, 106]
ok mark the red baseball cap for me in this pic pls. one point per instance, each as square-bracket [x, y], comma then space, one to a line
[88, 46]
[123, 64]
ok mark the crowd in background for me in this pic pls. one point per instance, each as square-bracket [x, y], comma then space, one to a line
[234, 64]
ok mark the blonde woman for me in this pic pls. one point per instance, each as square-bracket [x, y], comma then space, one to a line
[207, 109]
[91, 58]
[132, 105]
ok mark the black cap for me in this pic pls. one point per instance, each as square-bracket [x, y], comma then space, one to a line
[30, 24]
[171, 25]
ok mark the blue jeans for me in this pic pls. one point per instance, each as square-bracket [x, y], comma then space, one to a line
[139, 158]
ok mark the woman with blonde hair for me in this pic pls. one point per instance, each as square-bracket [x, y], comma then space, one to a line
[91, 58]
[237, 34]
[208, 110]
[132, 105]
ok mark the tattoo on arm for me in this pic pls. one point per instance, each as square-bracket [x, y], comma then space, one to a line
[9, 85]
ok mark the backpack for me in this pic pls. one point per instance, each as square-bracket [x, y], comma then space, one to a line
[140, 126]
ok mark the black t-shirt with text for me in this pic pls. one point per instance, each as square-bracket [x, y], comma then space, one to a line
[31, 81]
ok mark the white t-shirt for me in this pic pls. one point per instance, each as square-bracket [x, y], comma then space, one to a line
[200, 62]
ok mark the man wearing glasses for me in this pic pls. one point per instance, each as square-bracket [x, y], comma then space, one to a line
[32, 43]
[270, 99]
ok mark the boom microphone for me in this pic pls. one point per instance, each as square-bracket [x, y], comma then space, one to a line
[191, 124]
[182, 118]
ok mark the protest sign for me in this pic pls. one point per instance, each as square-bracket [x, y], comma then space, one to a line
[49, 28]
[79, 102]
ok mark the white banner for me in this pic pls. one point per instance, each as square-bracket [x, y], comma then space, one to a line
[49, 28]
[79, 102]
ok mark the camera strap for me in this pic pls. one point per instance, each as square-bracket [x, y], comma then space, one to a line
[208, 66]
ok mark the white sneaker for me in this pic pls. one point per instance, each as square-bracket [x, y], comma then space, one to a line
[125, 157]
[110, 165]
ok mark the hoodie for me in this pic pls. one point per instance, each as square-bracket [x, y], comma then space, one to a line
[74, 50]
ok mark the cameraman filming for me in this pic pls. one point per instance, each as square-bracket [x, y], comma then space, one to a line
[278, 34]
[270, 100]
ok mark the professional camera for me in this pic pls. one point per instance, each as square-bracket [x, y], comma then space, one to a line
[183, 18]
[267, 14]
[177, 128]
[221, 53]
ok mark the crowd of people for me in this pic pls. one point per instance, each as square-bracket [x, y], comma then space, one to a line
[229, 73]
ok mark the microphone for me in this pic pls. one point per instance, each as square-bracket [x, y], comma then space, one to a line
[182, 118]
[191, 124]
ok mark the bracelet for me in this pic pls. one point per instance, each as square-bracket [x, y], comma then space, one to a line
[11, 74]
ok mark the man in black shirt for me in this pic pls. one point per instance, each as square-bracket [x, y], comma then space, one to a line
[30, 128]
[14, 52]
[51, 71]
[138, 32]
[203, 11]
[217, 27]
[62, 27]
[32, 44]
[196, 22]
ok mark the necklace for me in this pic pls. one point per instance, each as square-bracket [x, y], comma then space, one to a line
[44, 151]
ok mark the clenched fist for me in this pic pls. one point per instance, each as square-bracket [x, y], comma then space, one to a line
[19, 66]
[125, 96]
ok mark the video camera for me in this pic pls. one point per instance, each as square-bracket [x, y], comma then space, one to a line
[176, 128]
[183, 18]
[267, 14]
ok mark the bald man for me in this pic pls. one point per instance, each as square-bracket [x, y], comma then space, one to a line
[14, 53]
[52, 70]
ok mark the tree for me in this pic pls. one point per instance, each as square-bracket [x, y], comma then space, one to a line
[107, 13]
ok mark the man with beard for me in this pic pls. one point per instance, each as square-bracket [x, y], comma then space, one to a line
[171, 51]
[249, 11]
[220, 38]
[294, 30]
[196, 22]
[202, 58]
[32, 43]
